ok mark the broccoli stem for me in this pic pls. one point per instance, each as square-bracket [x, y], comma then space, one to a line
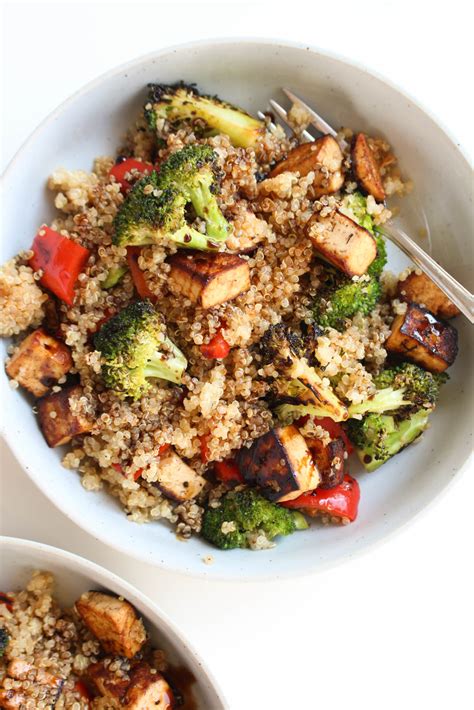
[384, 400]
[192, 239]
[300, 521]
[167, 366]
[114, 276]
[206, 207]
[407, 431]
[287, 413]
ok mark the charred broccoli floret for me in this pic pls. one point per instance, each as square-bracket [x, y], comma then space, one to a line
[378, 437]
[355, 207]
[407, 386]
[299, 389]
[183, 104]
[421, 387]
[4, 639]
[134, 348]
[341, 298]
[155, 209]
[242, 515]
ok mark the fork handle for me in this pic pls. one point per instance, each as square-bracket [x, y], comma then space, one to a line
[455, 291]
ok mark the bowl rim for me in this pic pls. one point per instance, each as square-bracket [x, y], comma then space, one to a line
[231, 39]
[105, 577]
[14, 444]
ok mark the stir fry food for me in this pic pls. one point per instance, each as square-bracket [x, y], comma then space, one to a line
[208, 326]
[96, 655]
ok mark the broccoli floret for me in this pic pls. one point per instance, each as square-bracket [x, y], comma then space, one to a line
[134, 347]
[341, 298]
[378, 437]
[421, 387]
[378, 264]
[181, 104]
[299, 384]
[193, 171]
[4, 639]
[407, 386]
[242, 514]
[355, 207]
[155, 209]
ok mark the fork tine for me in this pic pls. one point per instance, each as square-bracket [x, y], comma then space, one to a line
[283, 116]
[316, 119]
[264, 117]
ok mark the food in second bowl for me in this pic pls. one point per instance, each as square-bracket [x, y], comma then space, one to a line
[96, 655]
[209, 326]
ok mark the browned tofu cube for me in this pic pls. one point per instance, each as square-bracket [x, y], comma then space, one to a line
[329, 459]
[280, 464]
[59, 418]
[342, 242]
[176, 479]
[113, 621]
[39, 362]
[323, 157]
[419, 336]
[419, 288]
[366, 169]
[142, 688]
[208, 279]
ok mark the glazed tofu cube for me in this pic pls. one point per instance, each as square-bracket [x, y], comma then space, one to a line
[18, 669]
[419, 336]
[341, 241]
[366, 169]
[60, 419]
[323, 157]
[177, 480]
[280, 464]
[142, 689]
[329, 458]
[39, 362]
[148, 689]
[419, 288]
[208, 279]
[113, 621]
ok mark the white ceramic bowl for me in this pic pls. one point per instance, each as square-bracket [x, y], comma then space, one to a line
[75, 575]
[249, 72]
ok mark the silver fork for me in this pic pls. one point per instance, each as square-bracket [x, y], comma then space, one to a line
[455, 291]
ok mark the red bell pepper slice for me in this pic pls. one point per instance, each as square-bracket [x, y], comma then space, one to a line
[137, 274]
[61, 261]
[81, 688]
[341, 501]
[217, 348]
[204, 447]
[228, 472]
[120, 169]
[5, 599]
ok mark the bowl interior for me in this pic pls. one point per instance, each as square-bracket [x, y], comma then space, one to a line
[248, 73]
[75, 575]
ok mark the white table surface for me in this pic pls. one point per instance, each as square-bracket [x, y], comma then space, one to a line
[392, 628]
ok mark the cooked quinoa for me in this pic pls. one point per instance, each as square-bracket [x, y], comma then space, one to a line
[21, 301]
[223, 404]
[51, 658]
